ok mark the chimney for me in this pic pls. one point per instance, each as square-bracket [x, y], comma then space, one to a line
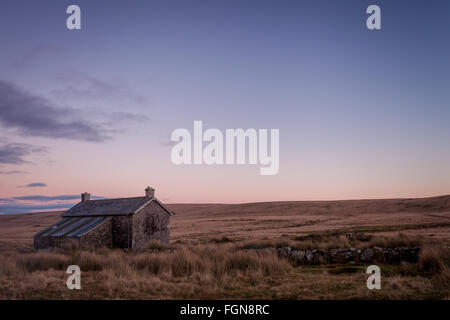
[85, 197]
[149, 192]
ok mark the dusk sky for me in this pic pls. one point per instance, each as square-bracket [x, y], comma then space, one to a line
[361, 113]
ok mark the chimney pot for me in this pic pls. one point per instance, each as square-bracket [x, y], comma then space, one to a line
[85, 197]
[149, 192]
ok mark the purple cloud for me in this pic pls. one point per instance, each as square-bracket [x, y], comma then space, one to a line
[14, 153]
[34, 185]
[32, 115]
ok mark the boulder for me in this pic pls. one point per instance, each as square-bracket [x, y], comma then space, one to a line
[284, 252]
[298, 256]
[309, 256]
[318, 256]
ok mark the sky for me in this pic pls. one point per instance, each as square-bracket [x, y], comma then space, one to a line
[361, 113]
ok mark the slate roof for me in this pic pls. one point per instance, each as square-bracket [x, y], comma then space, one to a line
[72, 227]
[111, 207]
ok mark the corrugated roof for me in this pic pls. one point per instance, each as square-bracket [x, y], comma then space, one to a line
[107, 207]
[72, 227]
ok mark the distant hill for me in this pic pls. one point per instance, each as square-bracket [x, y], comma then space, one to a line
[198, 222]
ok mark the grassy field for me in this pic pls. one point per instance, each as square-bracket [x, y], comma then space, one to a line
[206, 258]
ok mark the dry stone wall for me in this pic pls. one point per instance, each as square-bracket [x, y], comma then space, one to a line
[350, 255]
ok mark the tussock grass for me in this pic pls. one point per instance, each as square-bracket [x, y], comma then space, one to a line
[151, 264]
[218, 262]
[328, 243]
[333, 240]
[321, 236]
[224, 239]
[434, 260]
[42, 261]
[156, 246]
[262, 244]
[401, 240]
[212, 272]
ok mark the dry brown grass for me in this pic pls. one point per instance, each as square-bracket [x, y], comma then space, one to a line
[287, 220]
[435, 260]
[213, 272]
[332, 240]
[119, 274]
[224, 223]
[400, 240]
[206, 260]
[42, 261]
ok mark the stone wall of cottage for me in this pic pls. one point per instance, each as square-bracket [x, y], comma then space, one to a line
[151, 223]
[134, 231]
[59, 242]
[98, 237]
[121, 227]
[41, 242]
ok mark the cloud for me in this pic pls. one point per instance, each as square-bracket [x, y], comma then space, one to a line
[34, 185]
[45, 198]
[12, 172]
[81, 85]
[25, 208]
[14, 153]
[32, 115]
[115, 117]
[24, 204]
[41, 198]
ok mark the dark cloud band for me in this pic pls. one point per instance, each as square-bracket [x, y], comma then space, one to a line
[24, 204]
[15, 153]
[34, 185]
[32, 115]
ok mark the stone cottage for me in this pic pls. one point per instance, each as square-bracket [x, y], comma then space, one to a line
[120, 223]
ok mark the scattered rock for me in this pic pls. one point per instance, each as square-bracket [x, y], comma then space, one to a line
[284, 252]
[367, 255]
[318, 256]
[309, 256]
[297, 256]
